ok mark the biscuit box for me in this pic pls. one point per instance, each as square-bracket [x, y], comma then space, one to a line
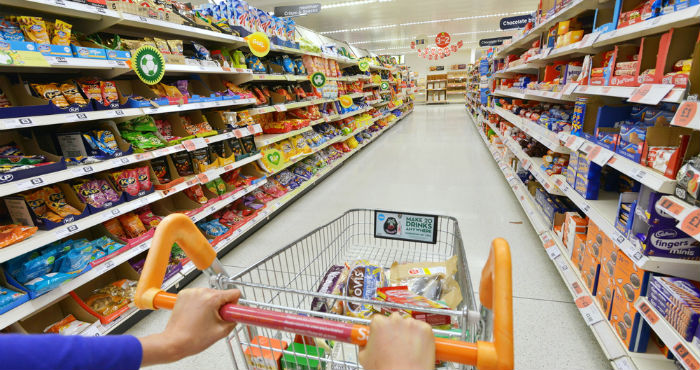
[573, 225]
[678, 301]
[630, 283]
[579, 251]
[590, 270]
[606, 282]
[264, 353]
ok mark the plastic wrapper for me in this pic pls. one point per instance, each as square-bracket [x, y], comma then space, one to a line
[161, 170]
[333, 282]
[51, 92]
[196, 194]
[132, 225]
[10, 234]
[47, 282]
[183, 164]
[127, 180]
[69, 325]
[143, 175]
[115, 228]
[111, 298]
[362, 282]
[433, 280]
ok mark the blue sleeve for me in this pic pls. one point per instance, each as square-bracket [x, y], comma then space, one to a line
[53, 351]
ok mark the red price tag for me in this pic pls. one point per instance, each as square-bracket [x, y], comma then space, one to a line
[687, 116]
[691, 223]
[646, 310]
[687, 357]
[670, 206]
[593, 152]
[577, 288]
[202, 178]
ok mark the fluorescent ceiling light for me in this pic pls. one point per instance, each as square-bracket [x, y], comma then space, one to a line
[408, 47]
[352, 3]
[423, 22]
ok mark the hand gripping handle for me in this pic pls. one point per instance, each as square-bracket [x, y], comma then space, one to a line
[495, 294]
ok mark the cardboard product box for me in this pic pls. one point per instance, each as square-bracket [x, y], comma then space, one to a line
[677, 44]
[663, 135]
[38, 322]
[597, 241]
[69, 141]
[606, 17]
[626, 65]
[573, 226]
[24, 104]
[304, 357]
[579, 251]
[678, 301]
[606, 281]
[625, 212]
[590, 270]
[264, 353]
[630, 283]
[21, 212]
[128, 89]
[83, 293]
[587, 187]
[19, 296]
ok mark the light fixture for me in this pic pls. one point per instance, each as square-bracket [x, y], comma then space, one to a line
[352, 3]
[423, 22]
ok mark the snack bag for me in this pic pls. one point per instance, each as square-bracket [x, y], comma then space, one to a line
[333, 282]
[401, 295]
[363, 281]
[71, 93]
[183, 164]
[127, 180]
[10, 234]
[433, 280]
[143, 175]
[110, 299]
[115, 228]
[34, 29]
[52, 93]
[196, 194]
[108, 90]
[68, 326]
[149, 219]
[56, 202]
[287, 149]
[160, 168]
[91, 89]
[132, 225]
[61, 33]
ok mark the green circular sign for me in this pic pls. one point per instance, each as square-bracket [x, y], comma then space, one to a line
[363, 65]
[318, 79]
[384, 85]
[6, 58]
[149, 64]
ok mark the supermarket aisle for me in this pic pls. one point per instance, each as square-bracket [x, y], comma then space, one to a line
[435, 162]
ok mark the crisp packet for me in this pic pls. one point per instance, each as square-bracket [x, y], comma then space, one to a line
[363, 281]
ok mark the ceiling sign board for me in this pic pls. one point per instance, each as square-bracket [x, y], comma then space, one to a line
[515, 22]
[493, 41]
[297, 10]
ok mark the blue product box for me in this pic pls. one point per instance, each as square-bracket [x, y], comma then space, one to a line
[624, 218]
[578, 116]
[682, 4]
[587, 187]
[630, 151]
[32, 294]
[55, 50]
[20, 297]
[666, 240]
[607, 140]
[118, 54]
[18, 45]
[88, 53]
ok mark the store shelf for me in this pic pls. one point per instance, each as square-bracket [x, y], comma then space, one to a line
[676, 95]
[686, 353]
[531, 164]
[523, 42]
[652, 26]
[546, 96]
[602, 156]
[268, 139]
[603, 211]
[61, 291]
[529, 67]
[683, 212]
[537, 132]
[591, 312]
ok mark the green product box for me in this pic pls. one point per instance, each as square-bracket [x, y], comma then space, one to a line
[295, 362]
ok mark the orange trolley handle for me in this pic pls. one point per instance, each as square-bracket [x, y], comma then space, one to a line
[495, 293]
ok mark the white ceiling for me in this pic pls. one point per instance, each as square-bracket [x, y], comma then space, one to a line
[390, 20]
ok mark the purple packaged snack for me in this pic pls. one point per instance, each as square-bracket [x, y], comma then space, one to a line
[665, 240]
[182, 86]
[332, 283]
[108, 191]
[678, 301]
[91, 194]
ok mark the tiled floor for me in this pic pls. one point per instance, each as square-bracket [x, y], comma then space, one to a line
[434, 162]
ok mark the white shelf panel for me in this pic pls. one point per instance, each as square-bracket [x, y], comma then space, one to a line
[652, 26]
[537, 132]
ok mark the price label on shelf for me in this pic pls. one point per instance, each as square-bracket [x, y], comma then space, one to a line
[687, 115]
[669, 206]
[30, 183]
[553, 252]
[107, 265]
[574, 142]
[650, 93]
[121, 161]
[589, 39]
[143, 246]
[685, 356]
[63, 231]
[82, 170]
[110, 214]
[602, 156]
[588, 310]
[624, 363]
[648, 313]
[691, 223]
[94, 330]
[194, 144]
[569, 88]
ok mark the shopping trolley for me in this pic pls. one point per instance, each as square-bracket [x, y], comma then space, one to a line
[278, 291]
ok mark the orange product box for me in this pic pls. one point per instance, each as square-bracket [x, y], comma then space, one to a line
[573, 225]
[596, 81]
[579, 251]
[606, 281]
[264, 353]
[630, 284]
[590, 270]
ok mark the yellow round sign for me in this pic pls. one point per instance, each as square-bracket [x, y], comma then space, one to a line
[258, 43]
[345, 101]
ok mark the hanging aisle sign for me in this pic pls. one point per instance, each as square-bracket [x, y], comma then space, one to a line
[258, 43]
[297, 10]
[442, 39]
[494, 41]
[149, 64]
[519, 21]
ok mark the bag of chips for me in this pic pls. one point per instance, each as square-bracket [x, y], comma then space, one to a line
[127, 180]
[196, 194]
[143, 175]
[115, 228]
[132, 225]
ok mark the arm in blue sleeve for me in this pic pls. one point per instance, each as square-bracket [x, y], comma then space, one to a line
[53, 351]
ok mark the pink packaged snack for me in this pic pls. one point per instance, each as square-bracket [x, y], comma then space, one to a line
[147, 217]
[144, 177]
[107, 190]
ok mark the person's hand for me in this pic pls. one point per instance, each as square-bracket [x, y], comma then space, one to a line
[398, 343]
[194, 325]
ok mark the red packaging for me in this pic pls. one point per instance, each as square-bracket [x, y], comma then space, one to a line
[127, 181]
[144, 177]
[401, 295]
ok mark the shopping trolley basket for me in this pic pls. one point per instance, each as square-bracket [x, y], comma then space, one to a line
[278, 292]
